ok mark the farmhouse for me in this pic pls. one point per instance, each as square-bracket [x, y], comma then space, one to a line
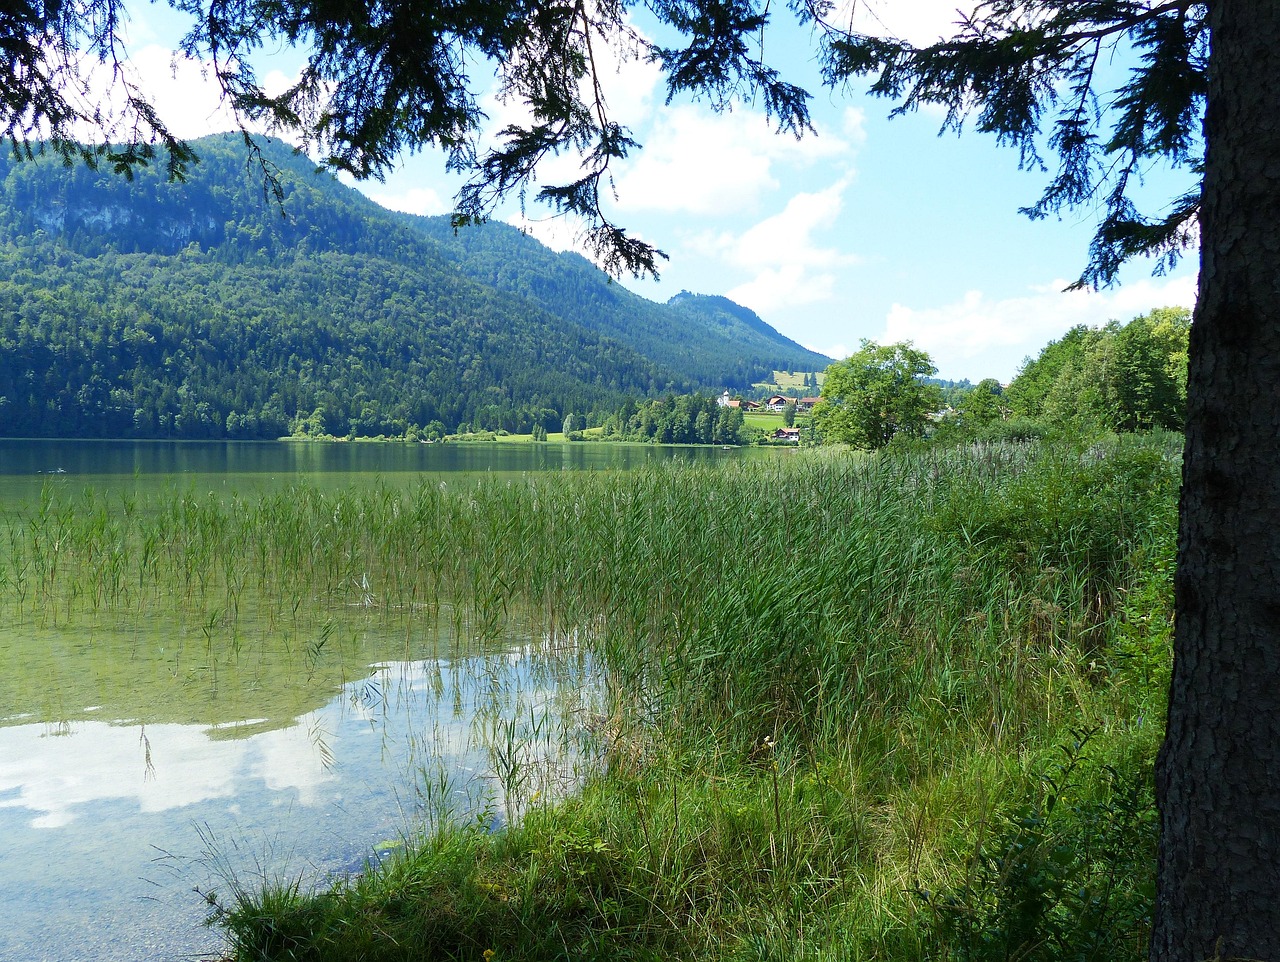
[725, 401]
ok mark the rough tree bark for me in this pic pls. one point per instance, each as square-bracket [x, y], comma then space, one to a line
[1218, 778]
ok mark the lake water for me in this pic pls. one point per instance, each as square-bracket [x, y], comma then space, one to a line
[144, 760]
[249, 466]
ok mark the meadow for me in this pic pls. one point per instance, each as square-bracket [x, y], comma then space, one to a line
[854, 707]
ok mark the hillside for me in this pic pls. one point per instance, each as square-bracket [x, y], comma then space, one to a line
[709, 340]
[206, 309]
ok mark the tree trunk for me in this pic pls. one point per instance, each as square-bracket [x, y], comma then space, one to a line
[1218, 777]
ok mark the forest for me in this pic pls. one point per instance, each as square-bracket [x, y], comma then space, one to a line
[213, 309]
[1118, 377]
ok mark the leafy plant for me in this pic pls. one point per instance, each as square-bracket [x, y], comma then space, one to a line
[1068, 876]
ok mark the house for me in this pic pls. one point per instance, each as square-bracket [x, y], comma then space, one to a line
[805, 404]
[791, 435]
[725, 401]
[778, 401]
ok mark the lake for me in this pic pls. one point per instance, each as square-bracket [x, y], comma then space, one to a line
[151, 758]
[251, 466]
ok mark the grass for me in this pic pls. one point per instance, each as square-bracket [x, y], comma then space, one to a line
[766, 422]
[856, 707]
[792, 384]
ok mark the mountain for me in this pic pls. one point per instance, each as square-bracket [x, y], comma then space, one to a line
[710, 341]
[212, 309]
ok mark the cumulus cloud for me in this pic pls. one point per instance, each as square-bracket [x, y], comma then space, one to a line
[558, 233]
[415, 200]
[696, 161]
[788, 263]
[979, 337]
[837, 352]
[920, 22]
[853, 124]
[184, 92]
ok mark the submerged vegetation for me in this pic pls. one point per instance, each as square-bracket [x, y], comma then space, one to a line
[893, 706]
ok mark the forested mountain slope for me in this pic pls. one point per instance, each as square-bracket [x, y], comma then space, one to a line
[205, 309]
[711, 340]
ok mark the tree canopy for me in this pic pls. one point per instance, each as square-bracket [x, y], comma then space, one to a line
[877, 394]
[381, 79]
[1118, 377]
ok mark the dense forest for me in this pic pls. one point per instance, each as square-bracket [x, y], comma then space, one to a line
[1114, 378]
[213, 308]
[1120, 377]
[686, 419]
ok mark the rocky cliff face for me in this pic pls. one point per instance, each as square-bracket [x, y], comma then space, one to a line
[168, 233]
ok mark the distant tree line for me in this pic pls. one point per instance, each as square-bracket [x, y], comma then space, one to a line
[1119, 377]
[1126, 377]
[676, 419]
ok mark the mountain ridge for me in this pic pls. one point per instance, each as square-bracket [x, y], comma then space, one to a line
[154, 309]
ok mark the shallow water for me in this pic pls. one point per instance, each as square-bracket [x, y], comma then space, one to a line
[124, 798]
[146, 756]
[250, 467]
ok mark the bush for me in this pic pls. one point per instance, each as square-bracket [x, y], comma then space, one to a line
[1069, 875]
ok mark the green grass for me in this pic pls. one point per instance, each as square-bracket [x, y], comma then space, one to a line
[764, 421]
[843, 692]
[791, 384]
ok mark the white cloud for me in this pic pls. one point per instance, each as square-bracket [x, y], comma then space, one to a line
[699, 162]
[976, 337]
[184, 92]
[788, 265]
[415, 200]
[919, 22]
[853, 124]
[790, 285]
[835, 351]
[558, 233]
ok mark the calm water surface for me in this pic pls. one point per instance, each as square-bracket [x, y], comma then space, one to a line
[249, 466]
[143, 759]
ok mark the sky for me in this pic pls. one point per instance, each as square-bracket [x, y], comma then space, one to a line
[869, 228]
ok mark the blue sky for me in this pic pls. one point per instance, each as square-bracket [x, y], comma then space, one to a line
[869, 229]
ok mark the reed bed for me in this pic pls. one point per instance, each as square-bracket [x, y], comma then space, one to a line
[841, 690]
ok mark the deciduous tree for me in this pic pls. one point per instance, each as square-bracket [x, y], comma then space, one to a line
[982, 404]
[876, 394]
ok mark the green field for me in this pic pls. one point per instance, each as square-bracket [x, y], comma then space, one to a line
[792, 384]
[764, 421]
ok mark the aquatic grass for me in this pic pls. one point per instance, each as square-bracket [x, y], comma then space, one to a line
[824, 676]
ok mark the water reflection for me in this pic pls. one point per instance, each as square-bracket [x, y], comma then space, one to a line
[142, 748]
[55, 459]
[105, 824]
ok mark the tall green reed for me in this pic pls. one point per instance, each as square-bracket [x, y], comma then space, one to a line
[826, 675]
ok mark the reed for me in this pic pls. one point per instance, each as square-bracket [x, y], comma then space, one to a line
[832, 682]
